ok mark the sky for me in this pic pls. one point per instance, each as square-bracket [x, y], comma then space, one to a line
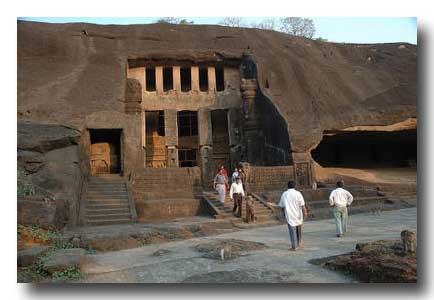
[339, 29]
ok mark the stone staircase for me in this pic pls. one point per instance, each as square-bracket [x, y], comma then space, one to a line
[107, 201]
[264, 213]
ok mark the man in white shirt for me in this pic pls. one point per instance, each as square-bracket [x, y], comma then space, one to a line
[340, 199]
[237, 194]
[292, 202]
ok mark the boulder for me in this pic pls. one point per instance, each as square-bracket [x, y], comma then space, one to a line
[63, 259]
[29, 256]
[42, 138]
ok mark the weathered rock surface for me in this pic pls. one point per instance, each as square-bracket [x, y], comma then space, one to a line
[48, 159]
[244, 276]
[379, 261]
[64, 74]
[36, 211]
[63, 259]
[227, 249]
[44, 137]
[29, 256]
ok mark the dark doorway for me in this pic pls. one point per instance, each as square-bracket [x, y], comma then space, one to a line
[155, 139]
[220, 140]
[105, 151]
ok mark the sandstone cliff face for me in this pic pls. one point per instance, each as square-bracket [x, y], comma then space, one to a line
[68, 71]
[48, 159]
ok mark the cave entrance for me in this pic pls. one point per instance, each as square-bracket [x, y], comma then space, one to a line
[155, 139]
[368, 149]
[220, 140]
[105, 151]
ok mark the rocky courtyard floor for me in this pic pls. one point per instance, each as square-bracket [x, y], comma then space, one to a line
[255, 255]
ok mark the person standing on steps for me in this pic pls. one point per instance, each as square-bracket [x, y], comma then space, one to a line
[237, 194]
[220, 183]
[292, 202]
[225, 173]
[234, 176]
[340, 199]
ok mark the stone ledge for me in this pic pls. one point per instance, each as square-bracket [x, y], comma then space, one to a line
[63, 259]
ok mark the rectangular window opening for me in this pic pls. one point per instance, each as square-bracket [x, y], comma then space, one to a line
[203, 79]
[187, 123]
[185, 79]
[187, 158]
[155, 123]
[220, 78]
[150, 79]
[167, 79]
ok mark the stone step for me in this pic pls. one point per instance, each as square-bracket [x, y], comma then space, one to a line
[107, 187]
[107, 216]
[106, 202]
[324, 213]
[90, 203]
[106, 181]
[108, 222]
[109, 197]
[107, 192]
[121, 210]
[117, 205]
[356, 202]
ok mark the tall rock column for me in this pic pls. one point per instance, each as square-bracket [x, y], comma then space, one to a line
[171, 132]
[205, 146]
[252, 134]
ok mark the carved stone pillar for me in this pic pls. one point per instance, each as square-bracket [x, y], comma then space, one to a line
[252, 135]
[303, 173]
[205, 146]
[171, 132]
[248, 91]
[133, 97]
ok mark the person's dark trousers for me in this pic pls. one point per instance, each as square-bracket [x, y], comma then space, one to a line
[298, 231]
[293, 236]
[240, 206]
[237, 204]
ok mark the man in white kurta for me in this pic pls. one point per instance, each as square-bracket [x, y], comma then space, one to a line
[237, 194]
[292, 202]
[340, 199]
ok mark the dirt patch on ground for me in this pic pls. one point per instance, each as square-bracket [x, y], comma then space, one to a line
[380, 261]
[227, 249]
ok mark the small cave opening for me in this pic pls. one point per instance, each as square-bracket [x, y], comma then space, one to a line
[105, 151]
[368, 149]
